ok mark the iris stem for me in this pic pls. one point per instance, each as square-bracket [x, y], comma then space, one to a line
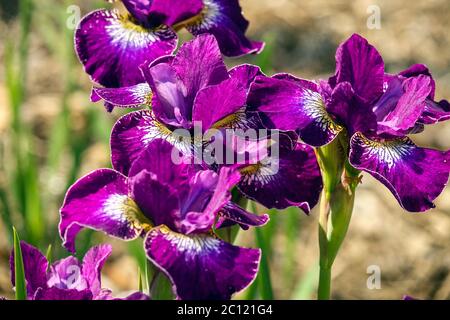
[336, 207]
[324, 284]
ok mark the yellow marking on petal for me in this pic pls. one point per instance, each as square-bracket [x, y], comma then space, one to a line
[148, 99]
[130, 23]
[389, 151]
[229, 121]
[251, 169]
[135, 216]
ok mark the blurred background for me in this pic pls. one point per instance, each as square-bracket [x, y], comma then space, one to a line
[51, 135]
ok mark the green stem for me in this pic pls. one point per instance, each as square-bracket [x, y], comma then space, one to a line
[324, 284]
[336, 207]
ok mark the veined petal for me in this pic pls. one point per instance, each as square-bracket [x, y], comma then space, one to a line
[66, 274]
[100, 201]
[233, 213]
[408, 108]
[360, 64]
[223, 19]
[288, 104]
[201, 266]
[292, 179]
[199, 64]
[92, 266]
[35, 268]
[111, 47]
[127, 97]
[420, 69]
[435, 112]
[245, 74]
[210, 199]
[416, 176]
[170, 104]
[227, 98]
[132, 134]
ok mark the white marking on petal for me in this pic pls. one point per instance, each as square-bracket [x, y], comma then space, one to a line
[315, 108]
[126, 34]
[388, 152]
[156, 130]
[194, 244]
[122, 208]
[208, 18]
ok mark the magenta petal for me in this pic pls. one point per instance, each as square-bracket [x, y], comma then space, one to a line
[201, 266]
[66, 274]
[231, 212]
[132, 134]
[435, 112]
[159, 202]
[224, 20]
[408, 108]
[211, 196]
[98, 201]
[93, 262]
[293, 104]
[227, 98]
[111, 47]
[360, 64]
[416, 176]
[175, 11]
[35, 268]
[417, 70]
[245, 74]
[126, 97]
[351, 111]
[157, 159]
[139, 9]
[199, 64]
[170, 105]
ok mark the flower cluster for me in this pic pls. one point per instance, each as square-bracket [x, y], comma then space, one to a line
[374, 112]
[162, 188]
[177, 206]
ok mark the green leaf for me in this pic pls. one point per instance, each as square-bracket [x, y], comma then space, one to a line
[21, 288]
[264, 270]
[49, 254]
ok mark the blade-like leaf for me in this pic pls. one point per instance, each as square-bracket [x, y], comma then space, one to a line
[21, 289]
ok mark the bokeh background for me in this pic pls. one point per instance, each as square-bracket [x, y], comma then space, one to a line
[50, 134]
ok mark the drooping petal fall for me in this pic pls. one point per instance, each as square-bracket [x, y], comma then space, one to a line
[415, 176]
[201, 267]
[99, 201]
[112, 46]
[224, 20]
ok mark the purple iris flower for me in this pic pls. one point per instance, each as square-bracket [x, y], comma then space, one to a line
[221, 18]
[375, 109]
[195, 87]
[66, 279]
[175, 207]
[111, 46]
